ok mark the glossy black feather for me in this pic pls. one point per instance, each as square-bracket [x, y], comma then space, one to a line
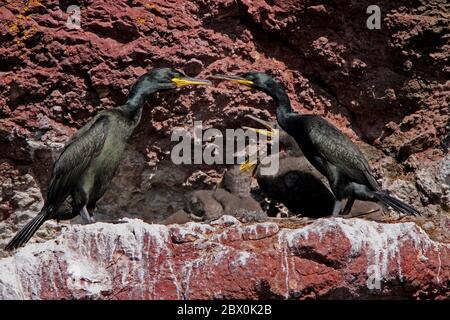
[327, 148]
[336, 148]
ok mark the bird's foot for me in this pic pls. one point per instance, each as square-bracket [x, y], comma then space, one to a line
[337, 209]
[88, 220]
[86, 216]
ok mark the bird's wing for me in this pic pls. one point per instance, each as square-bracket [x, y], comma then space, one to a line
[88, 125]
[75, 158]
[335, 147]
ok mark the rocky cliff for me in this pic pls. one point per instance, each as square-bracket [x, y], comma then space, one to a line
[386, 88]
[330, 258]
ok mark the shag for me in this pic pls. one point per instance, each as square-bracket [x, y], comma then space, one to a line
[91, 157]
[330, 151]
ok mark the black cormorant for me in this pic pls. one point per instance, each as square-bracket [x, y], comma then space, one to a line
[91, 157]
[330, 151]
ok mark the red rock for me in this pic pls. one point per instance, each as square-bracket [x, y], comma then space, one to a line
[387, 88]
[330, 258]
[120, 40]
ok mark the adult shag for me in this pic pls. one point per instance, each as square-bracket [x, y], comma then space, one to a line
[330, 151]
[91, 157]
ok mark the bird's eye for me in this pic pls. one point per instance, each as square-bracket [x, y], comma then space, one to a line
[249, 77]
[178, 74]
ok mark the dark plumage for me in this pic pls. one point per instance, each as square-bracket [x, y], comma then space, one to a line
[330, 151]
[296, 184]
[91, 157]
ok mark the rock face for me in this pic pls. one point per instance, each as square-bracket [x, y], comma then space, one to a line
[330, 258]
[387, 89]
[55, 78]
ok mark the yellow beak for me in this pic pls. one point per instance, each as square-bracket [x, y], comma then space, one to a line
[270, 131]
[260, 131]
[185, 81]
[233, 78]
[248, 165]
[251, 164]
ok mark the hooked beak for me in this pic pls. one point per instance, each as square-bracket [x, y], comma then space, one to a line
[252, 163]
[185, 81]
[233, 78]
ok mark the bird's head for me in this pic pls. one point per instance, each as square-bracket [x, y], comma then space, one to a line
[168, 78]
[256, 80]
[163, 79]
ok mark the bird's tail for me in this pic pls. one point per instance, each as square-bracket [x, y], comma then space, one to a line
[395, 203]
[27, 232]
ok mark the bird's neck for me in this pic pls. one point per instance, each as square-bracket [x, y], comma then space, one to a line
[132, 109]
[284, 110]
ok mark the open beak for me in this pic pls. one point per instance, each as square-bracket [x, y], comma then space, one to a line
[251, 164]
[248, 165]
[269, 131]
[233, 78]
[186, 81]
